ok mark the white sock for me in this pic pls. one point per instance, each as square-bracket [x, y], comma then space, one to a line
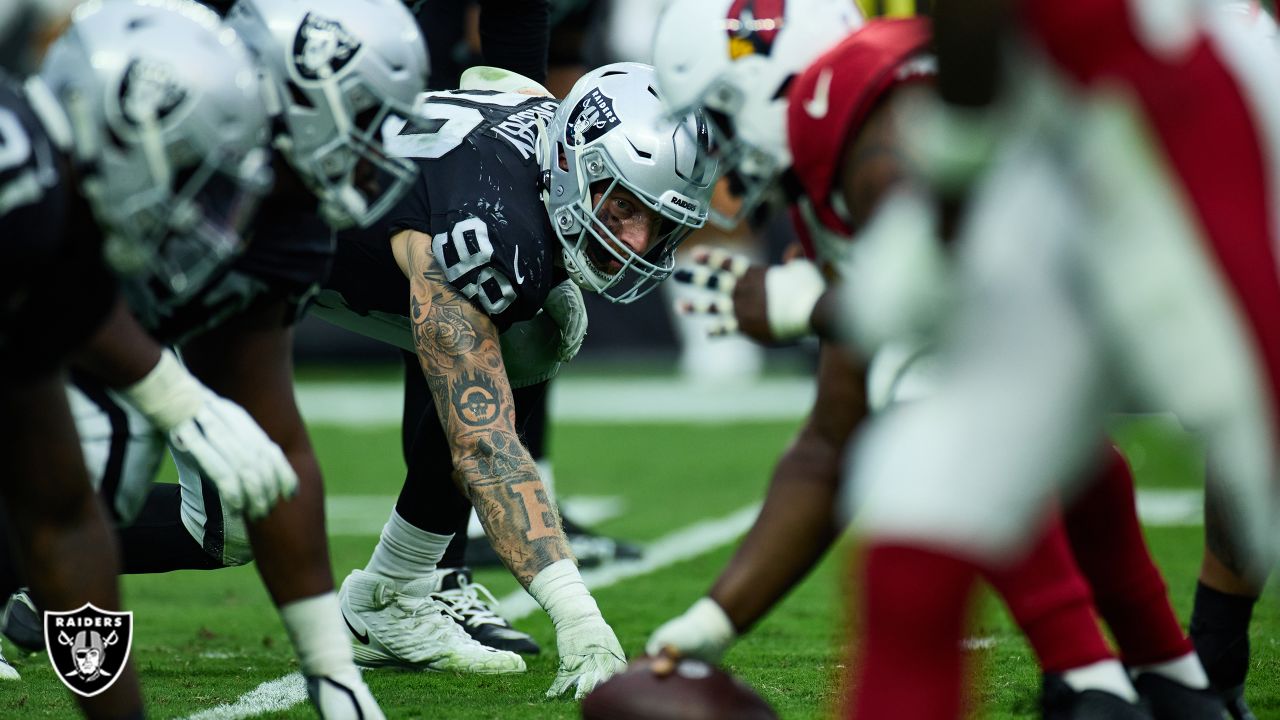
[1185, 669]
[406, 553]
[315, 628]
[548, 478]
[1106, 675]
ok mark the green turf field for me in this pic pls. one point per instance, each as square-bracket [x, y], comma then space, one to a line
[205, 639]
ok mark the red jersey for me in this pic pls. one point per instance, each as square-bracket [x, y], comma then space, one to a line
[833, 97]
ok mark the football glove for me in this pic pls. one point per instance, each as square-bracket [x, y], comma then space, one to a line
[589, 654]
[704, 632]
[342, 696]
[565, 306]
[771, 304]
[217, 435]
[589, 651]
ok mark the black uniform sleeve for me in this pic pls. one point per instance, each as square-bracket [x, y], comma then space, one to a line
[290, 251]
[55, 288]
[515, 34]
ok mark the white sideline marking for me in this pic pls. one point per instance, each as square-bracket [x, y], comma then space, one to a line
[597, 401]
[680, 545]
[290, 690]
[271, 696]
[364, 515]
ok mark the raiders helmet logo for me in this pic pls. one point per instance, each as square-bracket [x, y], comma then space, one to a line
[322, 48]
[149, 92]
[88, 647]
[591, 118]
[753, 26]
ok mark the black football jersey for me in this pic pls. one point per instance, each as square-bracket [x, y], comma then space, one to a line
[287, 255]
[55, 288]
[477, 196]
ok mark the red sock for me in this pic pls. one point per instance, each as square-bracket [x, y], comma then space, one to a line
[914, 607]
[1128, 589]
[1051, 602]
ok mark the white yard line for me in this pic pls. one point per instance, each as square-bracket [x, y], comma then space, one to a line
[686, 543]
[271, 696]
[1171, 508]
[643, 400]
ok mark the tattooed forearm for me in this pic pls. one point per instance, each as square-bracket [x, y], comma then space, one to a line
[461, 358]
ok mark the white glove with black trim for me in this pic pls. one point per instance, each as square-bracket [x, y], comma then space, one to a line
[217, 435]
[589, 650]
[772, 304]
[704, 632]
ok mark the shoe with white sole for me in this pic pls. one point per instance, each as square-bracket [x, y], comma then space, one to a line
[406, 625]
[7, 671]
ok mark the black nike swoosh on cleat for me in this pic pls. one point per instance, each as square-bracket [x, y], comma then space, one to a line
[363, 638]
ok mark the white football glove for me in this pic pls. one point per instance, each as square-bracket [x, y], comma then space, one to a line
[589, 651]
[342, 696]
[217, 435]
[589, 654]
[565, 306]
[704, 632]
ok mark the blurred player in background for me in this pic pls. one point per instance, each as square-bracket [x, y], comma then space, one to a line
[233, 322]
[122, 93]
[1119, 254]
[730, 64]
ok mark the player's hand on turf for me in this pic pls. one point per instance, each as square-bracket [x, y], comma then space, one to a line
[704, 632]
[248, 468]
[768, 305]
[567, 309]
[589, 654]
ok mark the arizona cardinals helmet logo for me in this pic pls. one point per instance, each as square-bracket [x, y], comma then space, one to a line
[753, 26]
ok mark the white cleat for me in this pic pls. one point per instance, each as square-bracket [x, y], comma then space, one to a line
[406, 625]
[343, 697]
[7, 671]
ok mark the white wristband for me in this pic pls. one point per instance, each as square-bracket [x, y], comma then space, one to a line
[792, 291]
[710, 615]
[169, 395]
[560, 591]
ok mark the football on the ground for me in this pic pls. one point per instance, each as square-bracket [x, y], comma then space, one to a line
[666, 688]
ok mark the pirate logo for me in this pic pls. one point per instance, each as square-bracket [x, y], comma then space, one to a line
[149, 93]
[591, 119]
[753, 26]
[476, 400]
[322, 48]
[88, 647]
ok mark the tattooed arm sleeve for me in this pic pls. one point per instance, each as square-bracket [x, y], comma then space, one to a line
[458, 349]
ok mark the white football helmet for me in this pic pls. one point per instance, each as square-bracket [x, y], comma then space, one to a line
[173, 157]
[335, 70]
[735, 59]
[610, 132]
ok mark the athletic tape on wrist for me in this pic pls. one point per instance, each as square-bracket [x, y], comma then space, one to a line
[560, 591]
[169, 395]
[792, 291]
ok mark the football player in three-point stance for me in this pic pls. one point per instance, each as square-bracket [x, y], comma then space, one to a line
[332, 72]
[519, 199]
[796, 98]
[1120, 250]
[128, 156]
